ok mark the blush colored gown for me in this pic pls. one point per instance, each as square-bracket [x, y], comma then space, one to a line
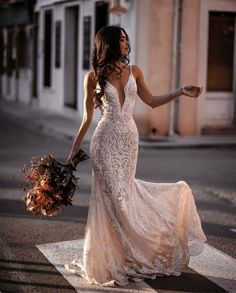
[135, 229]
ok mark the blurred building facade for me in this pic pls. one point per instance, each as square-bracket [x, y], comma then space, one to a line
[46, 45]
[17, 40]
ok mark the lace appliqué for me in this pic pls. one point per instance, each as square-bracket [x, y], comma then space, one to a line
[135, 228]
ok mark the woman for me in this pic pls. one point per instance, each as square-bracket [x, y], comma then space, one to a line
[135, 229]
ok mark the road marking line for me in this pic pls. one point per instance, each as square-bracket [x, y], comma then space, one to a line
[213, 264]
[60, 253]
[216, 266]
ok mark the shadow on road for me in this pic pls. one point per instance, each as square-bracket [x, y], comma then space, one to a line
[187, 282]
[16, 209]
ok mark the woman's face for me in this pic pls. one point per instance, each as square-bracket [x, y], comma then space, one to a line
[124, 44]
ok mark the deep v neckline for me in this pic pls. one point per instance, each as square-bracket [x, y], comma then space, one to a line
[124, 90]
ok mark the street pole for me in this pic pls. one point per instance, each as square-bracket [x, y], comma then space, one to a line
[175, 65]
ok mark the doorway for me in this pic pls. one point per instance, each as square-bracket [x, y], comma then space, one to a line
[221, 69]
[71, 56]
[216, 107]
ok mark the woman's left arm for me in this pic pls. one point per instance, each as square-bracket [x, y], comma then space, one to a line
[156, 101]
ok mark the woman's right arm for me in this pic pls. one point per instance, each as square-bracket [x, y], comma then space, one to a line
[89, 87]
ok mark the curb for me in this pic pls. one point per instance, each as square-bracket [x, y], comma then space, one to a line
[176, 142]
[182, 145]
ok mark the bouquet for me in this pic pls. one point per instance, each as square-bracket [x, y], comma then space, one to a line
[52, 184]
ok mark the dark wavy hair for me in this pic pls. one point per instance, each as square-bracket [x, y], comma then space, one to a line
[106, 53]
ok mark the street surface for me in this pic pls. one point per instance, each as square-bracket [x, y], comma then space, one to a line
[27, 241]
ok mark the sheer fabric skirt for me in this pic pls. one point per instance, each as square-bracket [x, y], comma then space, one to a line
[135, 229]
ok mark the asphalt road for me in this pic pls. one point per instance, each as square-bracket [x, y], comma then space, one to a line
[211, 173]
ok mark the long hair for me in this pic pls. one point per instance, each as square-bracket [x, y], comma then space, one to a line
[106, 53]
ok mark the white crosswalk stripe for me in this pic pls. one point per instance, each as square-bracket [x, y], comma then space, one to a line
[213, 264]
[216, 266]
[60, 253]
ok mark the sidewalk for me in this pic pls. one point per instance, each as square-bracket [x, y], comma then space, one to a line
[66, 128]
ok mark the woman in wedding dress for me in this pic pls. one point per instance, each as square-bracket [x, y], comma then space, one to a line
[135, 229]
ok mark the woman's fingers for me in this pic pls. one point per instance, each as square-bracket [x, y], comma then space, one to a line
[199, 90]
[70, 161]
[193, 91]
[75, 162]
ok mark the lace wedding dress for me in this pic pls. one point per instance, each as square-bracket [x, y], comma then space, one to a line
[135, 229]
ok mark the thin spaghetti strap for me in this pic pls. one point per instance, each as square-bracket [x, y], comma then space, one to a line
[130, 69]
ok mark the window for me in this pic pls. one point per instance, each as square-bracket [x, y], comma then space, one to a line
[221, 51]
[22, 49]
[87, 45]
[1, 52]
[47, 80]
[101, 15]
[58, 44]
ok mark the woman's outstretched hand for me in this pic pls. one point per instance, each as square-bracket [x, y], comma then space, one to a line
[192, 91]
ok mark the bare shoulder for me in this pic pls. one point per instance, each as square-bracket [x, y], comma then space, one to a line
[137, 72]
[89, 79]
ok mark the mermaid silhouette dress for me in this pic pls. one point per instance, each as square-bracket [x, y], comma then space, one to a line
[135, 229]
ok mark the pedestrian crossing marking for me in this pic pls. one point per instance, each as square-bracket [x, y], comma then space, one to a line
[60, 253]
[216, 266]
[212, 264]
